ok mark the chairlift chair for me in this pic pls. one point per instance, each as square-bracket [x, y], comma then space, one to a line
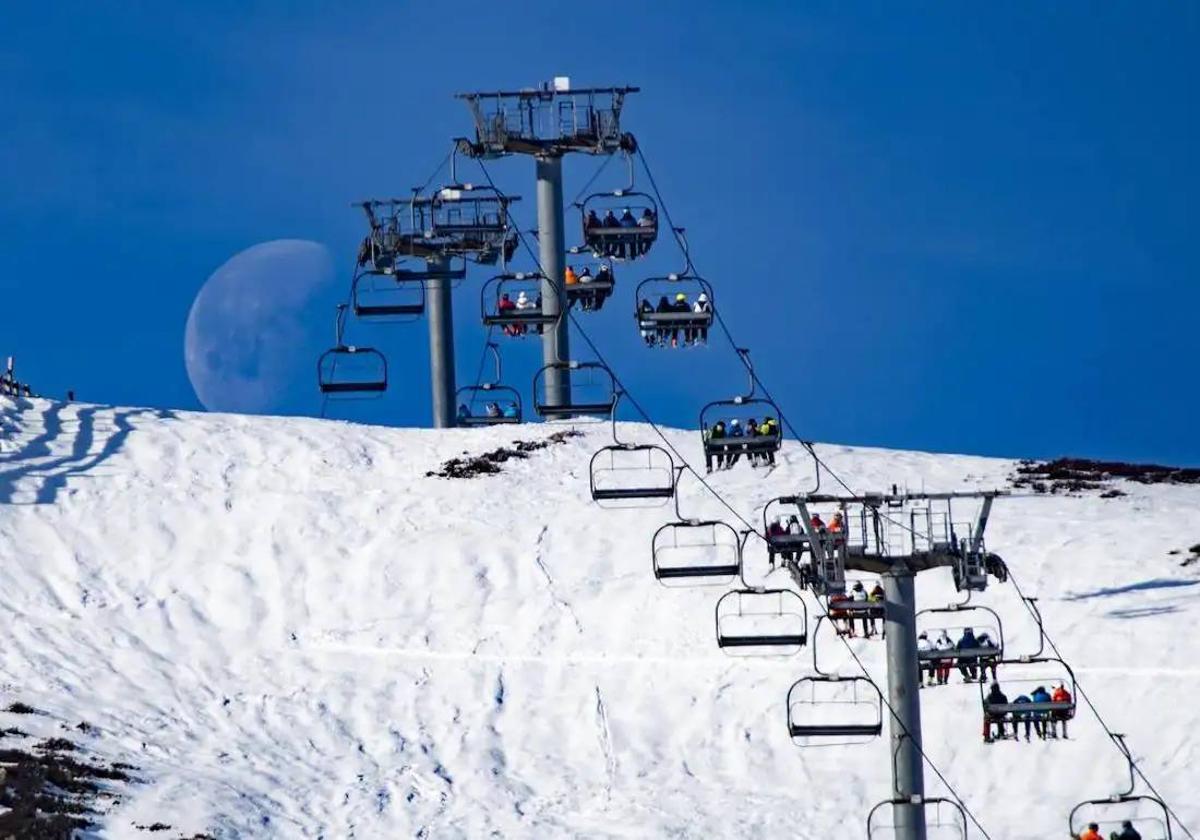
[616, 241]
[504, 289]
[1155, 825]
[592, 390]
[591, 293]
[380, 296]
[696, 552]
[944, 818]
[476, 399]
[1148, 815]
[1011, 675]
[726, 446]
[631, 474]
[954, 620]
[782, 542]
[677, 316]
[347, 371]
[761, 622]
[832, 710]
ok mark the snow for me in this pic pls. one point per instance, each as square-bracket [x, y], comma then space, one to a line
[292, 631]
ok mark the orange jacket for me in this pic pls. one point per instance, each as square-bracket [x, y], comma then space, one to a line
[571, 278]
[1061, 695]
[1091, 835]
[836, 525]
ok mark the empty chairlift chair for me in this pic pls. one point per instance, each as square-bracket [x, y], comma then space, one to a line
[348, 371]
[831, 710]
[674, 311]
[696, 553]
[386, 296]
[631, 474]
[945, 819]
[761, 622]
[590, 390]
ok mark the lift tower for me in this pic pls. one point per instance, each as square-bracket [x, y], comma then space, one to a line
[897, 536]
[547, 123]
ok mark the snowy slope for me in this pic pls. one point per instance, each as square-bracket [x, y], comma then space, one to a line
[293, 632]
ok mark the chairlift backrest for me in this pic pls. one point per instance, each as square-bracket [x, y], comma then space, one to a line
[762, 622]
[831, 710]
[351, 372]
[380, 296]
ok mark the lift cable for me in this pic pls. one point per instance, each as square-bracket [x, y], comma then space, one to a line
[748, 526]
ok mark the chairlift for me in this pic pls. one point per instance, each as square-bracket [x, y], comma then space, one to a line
[347, 371]
[761, 622]
[1020, 677]
[944, 818]
[1147, 815]
[489, 403]
[832, 710]
[666, 310]
[514, 302]
[844, 607]
[381, 296]
[591, 390]
[620, 224]
[696, 552]
[631, 474]
[594, 284]
[727, 443]
[784, 533]
[954, 620]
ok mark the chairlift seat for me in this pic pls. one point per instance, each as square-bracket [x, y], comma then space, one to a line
[673, 572]
[965, 653]
[352, 387]
[1062, 706]
[513, 317]
[473, 421]
[370, 310]
[835, 730]
[363, 370]
[756, 443]
[574, 408]
[651, 320]
[622, 493]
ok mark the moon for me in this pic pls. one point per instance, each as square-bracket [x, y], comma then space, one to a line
[255, 329]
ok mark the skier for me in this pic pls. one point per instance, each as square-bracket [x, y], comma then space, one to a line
[875, 597]
[1040, 695]
[967, 664]
[943, 643]
[506, 306]
[924, 646]
[717, 432]
[649, 336]
[510, 411]
[1128, 832]
[735, 431]
[995, 697]
[1022, 717]
[493, 409]
[984, 641]
[776, 529]
[1059, 695]
[701, 307]
[858, 594]
[1091, 833]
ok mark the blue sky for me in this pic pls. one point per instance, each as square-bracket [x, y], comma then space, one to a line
[965, 227]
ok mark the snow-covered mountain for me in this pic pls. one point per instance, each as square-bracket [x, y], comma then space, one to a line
[292, 631]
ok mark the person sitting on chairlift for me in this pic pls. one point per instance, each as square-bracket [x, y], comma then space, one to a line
[717, 432]
[859, 594]
[768, 429]
[493, 409]
[735, 431]
[664, 333]
[777, 529]
[610, 248]
[967, 664]
[1128, 832]
[1022, 717]
[701, 307]
[587, 298]
[505, 304]
[794, 529]
[843, 620]
[464, 411]
[603, 275]
[524, 304]
[944, 643]
[984, 641]
[875, 596]
[509, 410]
[1092, 832]
[649, 336]
[1059, 695]
[648, 220]
[924, 646]
[751, 432]
[681, 305]
[1040, 719]
[995, 697]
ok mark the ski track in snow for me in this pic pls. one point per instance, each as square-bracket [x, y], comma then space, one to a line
[292, 632]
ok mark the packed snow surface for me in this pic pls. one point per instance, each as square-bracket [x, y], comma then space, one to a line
[292, 631]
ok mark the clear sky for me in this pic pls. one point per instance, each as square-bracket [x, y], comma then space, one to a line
[959, 227]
